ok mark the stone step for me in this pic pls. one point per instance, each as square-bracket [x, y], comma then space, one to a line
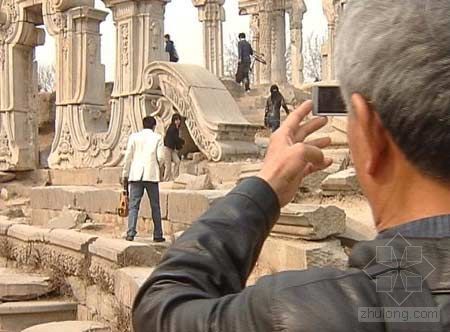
[70, 326]
[341, 182]
[17, 316]
[16, 286]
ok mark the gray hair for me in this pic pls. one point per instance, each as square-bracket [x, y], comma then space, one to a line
[397, 55]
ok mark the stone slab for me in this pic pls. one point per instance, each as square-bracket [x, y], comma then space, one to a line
[41, 217]
[53, 198]
[70, 326]
[7, 177]
[126, 253]
[27, 233]
[74, 177]
[225, 171]
[16, 286]
[68, 219]
[187, 206]
[6, 223]
[317, 222]
[110, 175]
[70, 239]
[127, 282]
[17, 316]
[98, 200]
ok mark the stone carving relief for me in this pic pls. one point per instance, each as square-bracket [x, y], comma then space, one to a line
[125, 44]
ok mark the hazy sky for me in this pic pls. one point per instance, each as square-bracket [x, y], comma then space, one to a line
[181, 22]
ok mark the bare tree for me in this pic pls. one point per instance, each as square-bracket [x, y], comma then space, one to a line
[46, 78]
[231, 56]
[312, 56]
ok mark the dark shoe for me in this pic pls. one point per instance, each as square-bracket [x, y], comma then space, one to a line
[159, 239]
[129, 238]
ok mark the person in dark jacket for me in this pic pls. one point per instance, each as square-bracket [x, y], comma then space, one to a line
[245, 52]
[397, 91]
[273, 107]
[172, 143]
[170, 48]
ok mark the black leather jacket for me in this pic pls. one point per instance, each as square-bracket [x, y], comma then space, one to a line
[200, 283]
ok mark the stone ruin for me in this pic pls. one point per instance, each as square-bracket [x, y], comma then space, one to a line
[64, 264]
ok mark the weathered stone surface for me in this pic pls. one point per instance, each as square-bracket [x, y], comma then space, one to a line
[78, 287]
[342, 181]
[127, 282]
[125, 253]
[110, 175]
[101, 303]
[53, 198]
[311, 222]
[225, 171]
[4, 194]
[249, 170]
[70, 239]
[7, 177]
[358, 231]
[186, 206]
[16, 286]
[6, 223]
[74, 177]
[41, 217]
[192, 182]
[279, 254]
[145, 210]
[70, 326]
[17, 316]
[27, 233]
[98, 200]
[68, 219]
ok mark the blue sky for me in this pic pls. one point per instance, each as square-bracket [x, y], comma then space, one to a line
[181, 22]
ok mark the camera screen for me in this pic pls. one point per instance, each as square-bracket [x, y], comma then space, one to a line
[328, 101]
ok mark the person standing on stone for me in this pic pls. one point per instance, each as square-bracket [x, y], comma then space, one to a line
[172, 143]
[141, 171]
[273, 108]
[170, 48]
[245, 51]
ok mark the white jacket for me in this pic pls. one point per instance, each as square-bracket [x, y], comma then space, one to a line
[145, 152]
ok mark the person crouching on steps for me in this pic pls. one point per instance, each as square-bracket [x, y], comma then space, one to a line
[141, 171]
[172, 143]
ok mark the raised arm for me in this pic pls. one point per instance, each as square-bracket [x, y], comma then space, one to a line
[199, 285]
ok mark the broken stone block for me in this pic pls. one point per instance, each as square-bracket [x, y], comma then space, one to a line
[280, 254]
[344, 181]
[68, 219]
[249, 170]
[92, 226]
[70, 326]
[198, 157]
[310, 222]
[127, 282]
[15, 286]
[7, 177]
[13, 213]
[356, 231]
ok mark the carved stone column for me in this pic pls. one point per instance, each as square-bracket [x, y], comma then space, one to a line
[332, 9]
[279, 47]
[18, 88]
[255, 35]
[212, 14]
[265, 25]
[80, 79]
[296, 18]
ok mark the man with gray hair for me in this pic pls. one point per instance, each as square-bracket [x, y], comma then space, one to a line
[393, 62]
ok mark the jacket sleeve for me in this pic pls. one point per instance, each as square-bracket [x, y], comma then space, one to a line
[128, 157]
[240, 51]
[199, 285]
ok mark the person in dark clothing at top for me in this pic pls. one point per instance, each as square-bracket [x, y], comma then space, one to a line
[245, 51]
[172, 143]
[170, 48]
[273, 107]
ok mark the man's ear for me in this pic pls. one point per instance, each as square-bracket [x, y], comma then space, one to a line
[372, 132]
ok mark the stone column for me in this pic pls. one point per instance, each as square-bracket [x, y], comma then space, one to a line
[18, 88]
[80, 82]
[279, 47]
[265, 25]
[331, 9]
[255, 36]
[296, 18]
[212, 14]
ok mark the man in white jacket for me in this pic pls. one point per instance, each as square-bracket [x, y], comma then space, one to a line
[145, 152]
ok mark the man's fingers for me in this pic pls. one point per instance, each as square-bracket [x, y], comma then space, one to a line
[321, 143]
[309, 127]
[294, 119]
